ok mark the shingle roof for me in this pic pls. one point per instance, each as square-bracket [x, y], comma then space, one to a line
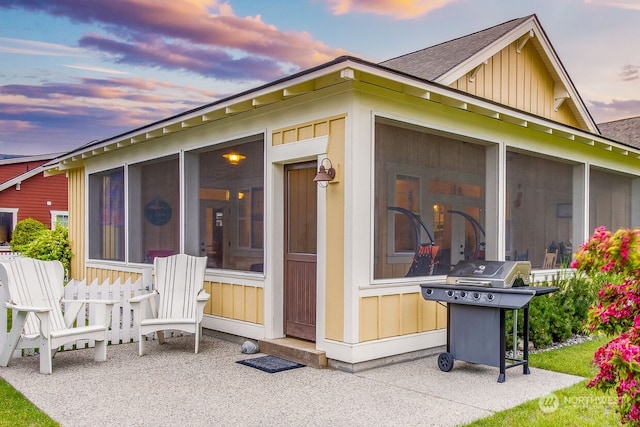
[433, 62]
[626, 130]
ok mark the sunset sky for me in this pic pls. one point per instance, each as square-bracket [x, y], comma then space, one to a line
[74, 71]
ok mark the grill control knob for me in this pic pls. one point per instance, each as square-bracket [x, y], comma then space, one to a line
[490, 297]
[429, 291]
[449, 293]
[476, 295]
[463, 294]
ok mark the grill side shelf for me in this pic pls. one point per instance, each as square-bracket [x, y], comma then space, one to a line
[511, 298]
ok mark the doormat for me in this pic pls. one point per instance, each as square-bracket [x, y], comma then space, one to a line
[270, 364]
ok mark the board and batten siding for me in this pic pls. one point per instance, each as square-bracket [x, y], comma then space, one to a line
[76, 187]
[387, 316]
[519, 80]
[238, 302]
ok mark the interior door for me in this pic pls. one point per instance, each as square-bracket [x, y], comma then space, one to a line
[300, 251]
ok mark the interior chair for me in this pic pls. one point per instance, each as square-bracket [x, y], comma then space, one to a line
[33, 290]
[549, 259]
[177, 302]
[522, 256]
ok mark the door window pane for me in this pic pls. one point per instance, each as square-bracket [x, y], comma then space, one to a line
[302, 211]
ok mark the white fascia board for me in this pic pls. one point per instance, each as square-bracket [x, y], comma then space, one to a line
[20, 178]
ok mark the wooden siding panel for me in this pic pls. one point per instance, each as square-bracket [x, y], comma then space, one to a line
[215, 299]
[368, 319]
[428, 315]
[238, 302]
[410, 313]
[250, 304]
[260, 307]
[399, 314]
[227, 300]
[390, 317]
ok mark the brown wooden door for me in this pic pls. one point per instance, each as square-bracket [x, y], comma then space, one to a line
[300, 251]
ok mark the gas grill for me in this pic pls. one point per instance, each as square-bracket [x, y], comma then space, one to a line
[477, 294]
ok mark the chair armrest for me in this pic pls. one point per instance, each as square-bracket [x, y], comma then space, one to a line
[140, 311]
[201, 301]
[27, 308]
[203, 296]
[140, 298]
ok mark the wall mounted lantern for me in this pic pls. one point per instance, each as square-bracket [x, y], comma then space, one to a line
[234, 158]
[325, 174]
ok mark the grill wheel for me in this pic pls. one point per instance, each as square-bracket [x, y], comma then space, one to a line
[445, 362]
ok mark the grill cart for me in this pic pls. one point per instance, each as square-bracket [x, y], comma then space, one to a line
[477, 294]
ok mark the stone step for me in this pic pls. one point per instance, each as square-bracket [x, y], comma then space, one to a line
[294, 350]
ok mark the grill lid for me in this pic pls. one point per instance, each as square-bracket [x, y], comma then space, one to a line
[494, 274]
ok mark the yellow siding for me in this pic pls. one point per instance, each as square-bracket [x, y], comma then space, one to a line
[409, 311]
[76, 188]
[402, 314]
[335, 128]
[389, 318]
[368, 319]
[238, 302]
[335, 310]
[429, 315]
[110, 275]
[520, 80]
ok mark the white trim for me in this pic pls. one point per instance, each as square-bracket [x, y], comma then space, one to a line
[234, 327]
[55, 215]
[305, 149]
[20, 178]
[386, 347]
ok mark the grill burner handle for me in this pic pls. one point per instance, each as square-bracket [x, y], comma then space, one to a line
[472, 282]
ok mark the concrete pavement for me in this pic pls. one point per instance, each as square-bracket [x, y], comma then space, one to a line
[171, 385]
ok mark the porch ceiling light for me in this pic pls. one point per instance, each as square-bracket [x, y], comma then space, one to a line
[325, 174]
[234, 158]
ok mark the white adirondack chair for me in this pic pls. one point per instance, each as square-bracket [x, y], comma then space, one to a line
[33, 290]
[177, 302]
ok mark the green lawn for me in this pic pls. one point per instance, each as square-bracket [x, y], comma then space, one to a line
[15, 410]
[576, 405]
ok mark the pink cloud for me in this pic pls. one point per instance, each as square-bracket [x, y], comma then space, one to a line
[196, 28]
[399, 9]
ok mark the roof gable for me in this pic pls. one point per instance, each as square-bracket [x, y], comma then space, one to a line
[463, 57]
[436, 62]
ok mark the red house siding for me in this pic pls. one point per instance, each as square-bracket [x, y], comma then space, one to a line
[36, 197]
[33, 197]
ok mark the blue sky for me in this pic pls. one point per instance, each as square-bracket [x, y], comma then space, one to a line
[73, 72]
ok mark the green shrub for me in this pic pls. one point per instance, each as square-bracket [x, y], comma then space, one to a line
[557, 316]
[50, 245]
[25, 232]
[33, 239]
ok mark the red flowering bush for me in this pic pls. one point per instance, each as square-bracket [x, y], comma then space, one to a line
[613, 261]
